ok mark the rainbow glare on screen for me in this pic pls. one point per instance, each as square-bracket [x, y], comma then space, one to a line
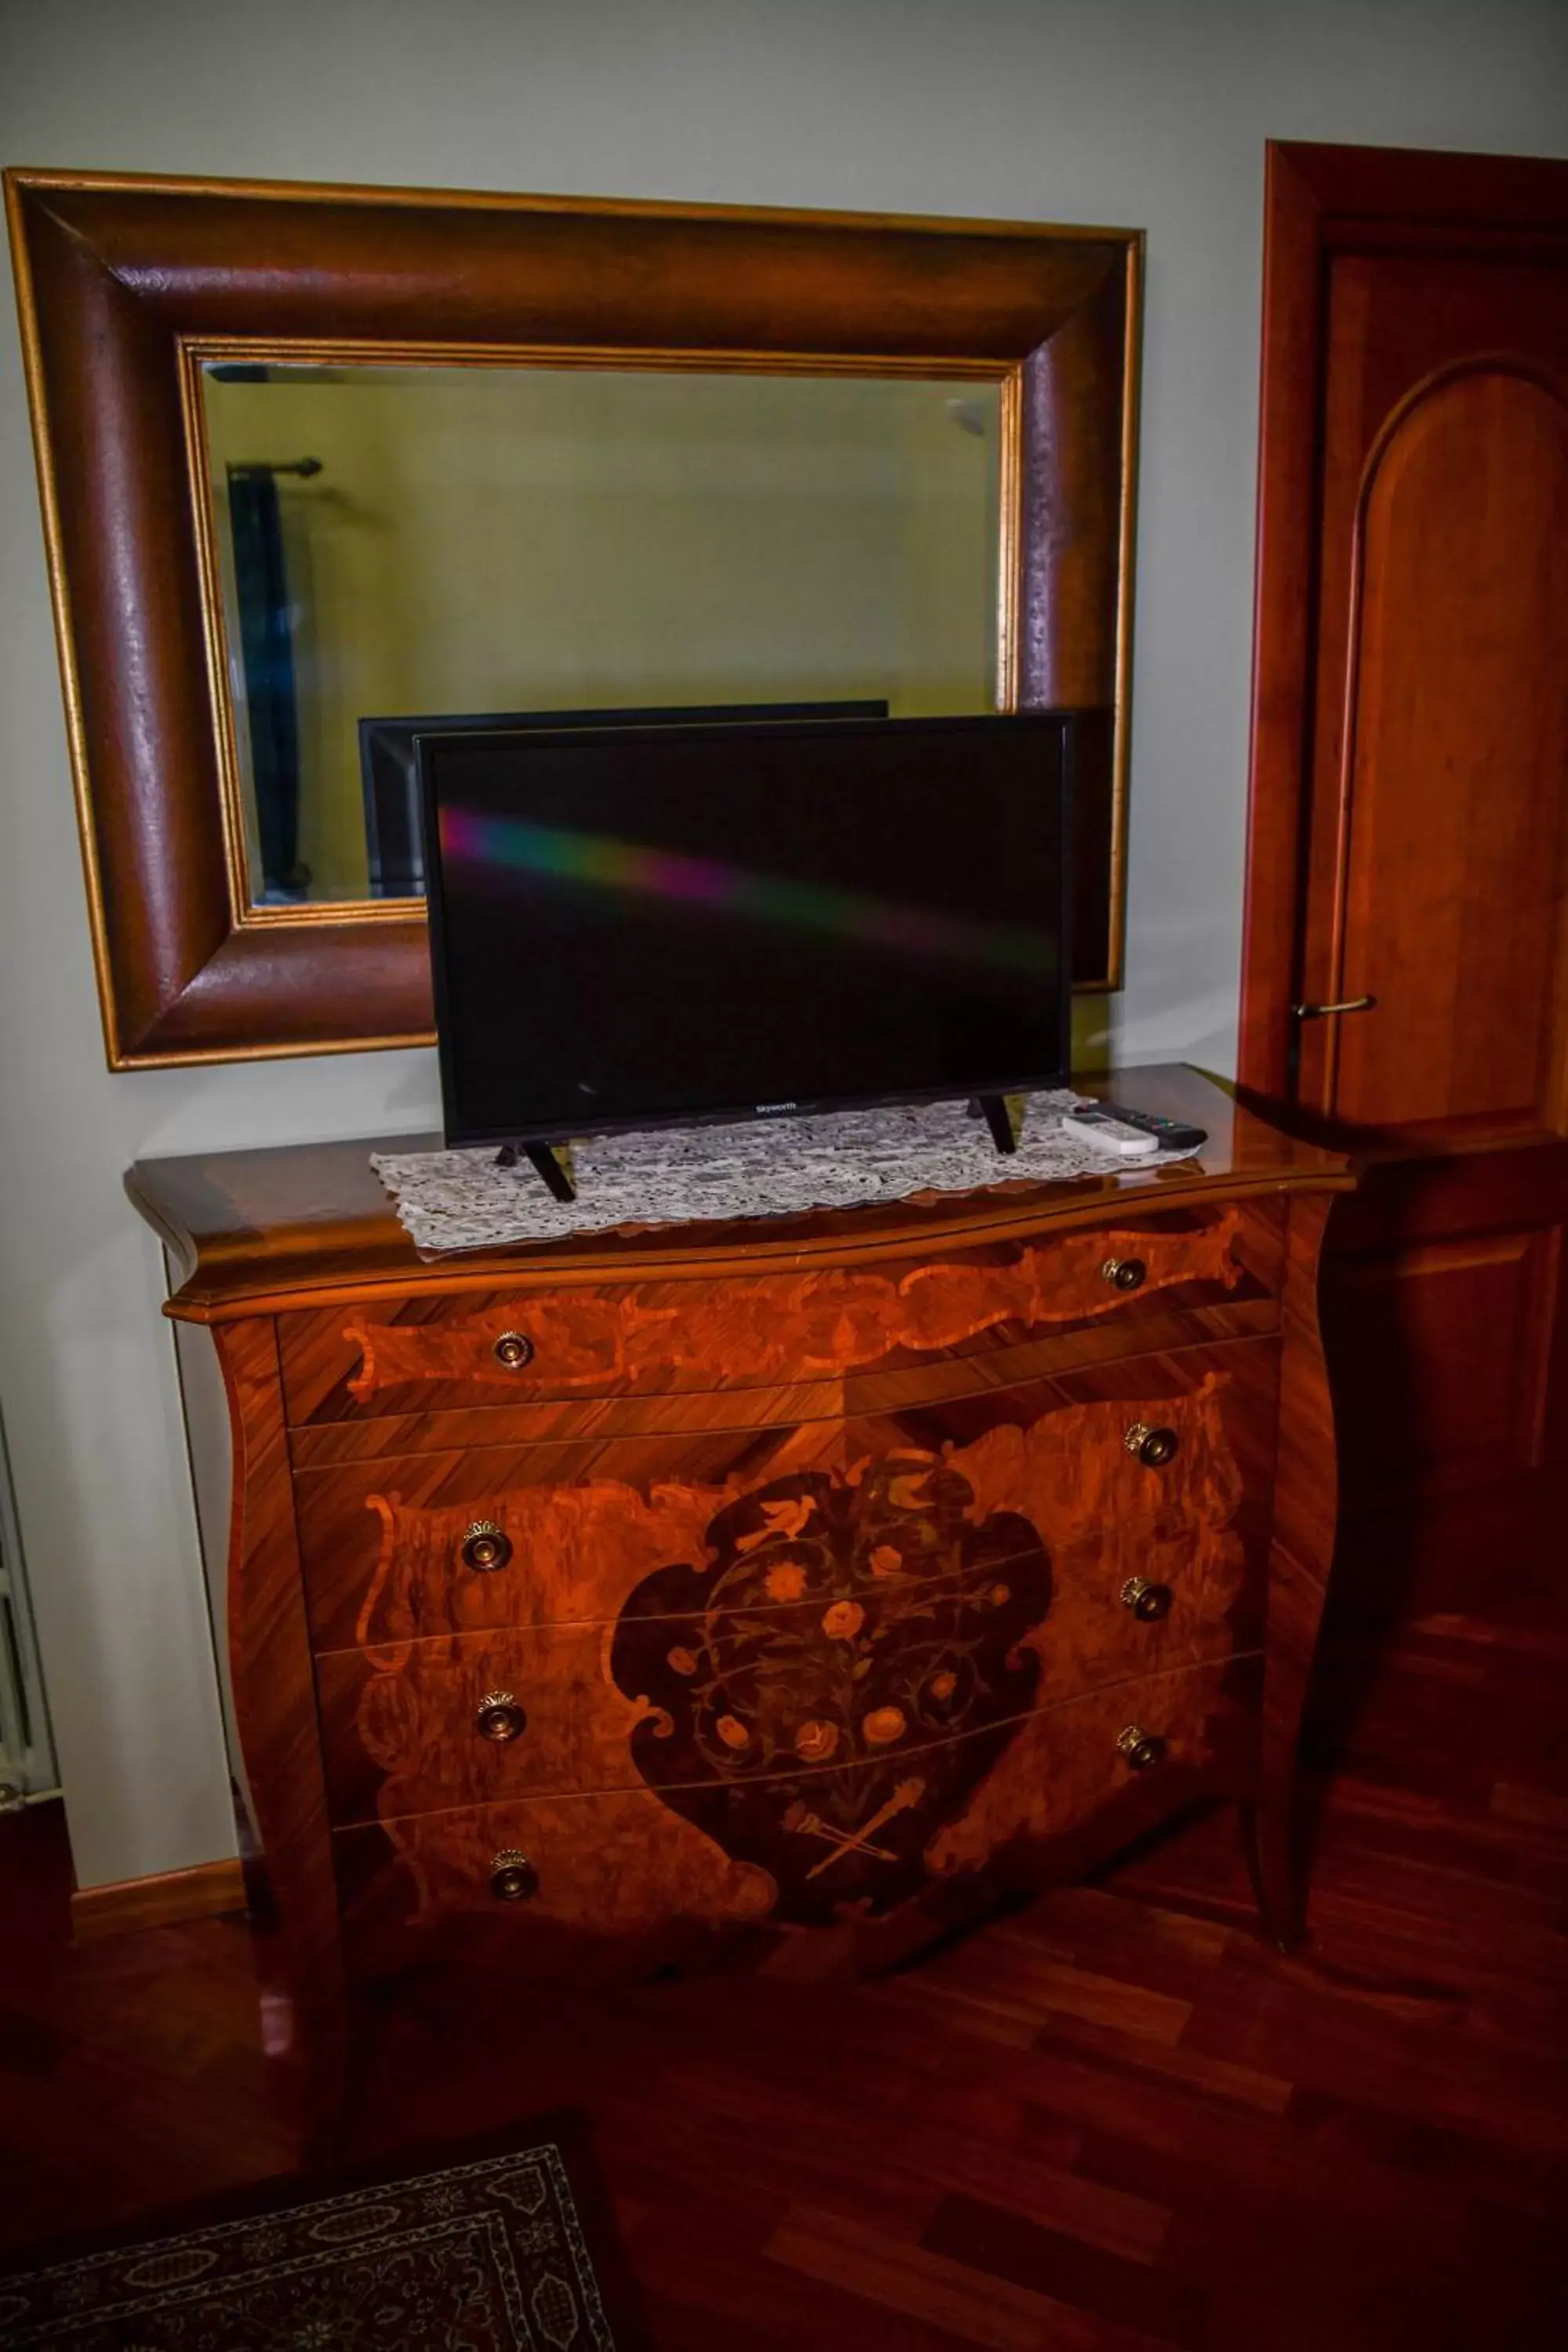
[599, 863]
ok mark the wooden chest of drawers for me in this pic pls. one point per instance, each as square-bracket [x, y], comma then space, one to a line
[786, 1590]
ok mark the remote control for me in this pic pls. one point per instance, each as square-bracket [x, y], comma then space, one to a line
[1166, 1134]
[1106, 1130]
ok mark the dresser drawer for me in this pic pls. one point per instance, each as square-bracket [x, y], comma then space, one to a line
[1179, 1442]
[415, 1545]
[856, 1844]
[408, 1547]
[793, 1532]
[619, 1868]
[416, 1727]
[766, 1686]
[1143, 1747]
[1139, 1602]
[756, 1683]
[435, 1353]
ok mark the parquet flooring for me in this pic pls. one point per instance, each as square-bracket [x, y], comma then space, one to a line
[1111, 2121]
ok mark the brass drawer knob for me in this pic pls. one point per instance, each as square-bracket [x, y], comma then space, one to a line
[1148, 1602]
[1143, 1749]
[485, 1546]
[1125, 1272]
[514, 1349]
[1153, 1447]
[499, 1717]
[513, 1877]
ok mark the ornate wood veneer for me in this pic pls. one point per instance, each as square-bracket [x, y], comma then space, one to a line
[790, 1588]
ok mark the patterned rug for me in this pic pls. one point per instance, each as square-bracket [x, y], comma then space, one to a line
[509, 2250]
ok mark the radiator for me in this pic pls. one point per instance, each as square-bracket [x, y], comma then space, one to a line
[27, 1752]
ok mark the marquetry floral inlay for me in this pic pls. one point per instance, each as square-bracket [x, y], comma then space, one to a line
[835, 1737]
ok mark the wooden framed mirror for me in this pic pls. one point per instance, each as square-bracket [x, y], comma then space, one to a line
[316, 462]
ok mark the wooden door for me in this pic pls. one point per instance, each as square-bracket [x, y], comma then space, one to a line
[1408, 852]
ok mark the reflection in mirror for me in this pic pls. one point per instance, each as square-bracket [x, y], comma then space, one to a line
[463, 541]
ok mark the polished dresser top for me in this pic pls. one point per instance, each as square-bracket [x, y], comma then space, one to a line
[251, 1232]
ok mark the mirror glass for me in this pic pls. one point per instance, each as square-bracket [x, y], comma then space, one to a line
[461, 543]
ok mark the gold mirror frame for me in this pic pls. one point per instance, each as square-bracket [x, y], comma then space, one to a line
[128, 286]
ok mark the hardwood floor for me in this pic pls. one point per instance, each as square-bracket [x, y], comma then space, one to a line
[1110, 2122]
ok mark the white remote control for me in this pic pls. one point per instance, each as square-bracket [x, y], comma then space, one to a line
[1092, 1125]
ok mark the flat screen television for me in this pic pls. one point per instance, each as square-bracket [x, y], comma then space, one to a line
[389, 779]
[635, 926]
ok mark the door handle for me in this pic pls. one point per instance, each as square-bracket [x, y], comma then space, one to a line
[1349, 1005]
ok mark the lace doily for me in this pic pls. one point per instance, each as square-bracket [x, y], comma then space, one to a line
[757, 1168]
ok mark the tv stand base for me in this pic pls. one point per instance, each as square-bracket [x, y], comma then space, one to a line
[552, 1175]
[545, 1164]
[993, 1109]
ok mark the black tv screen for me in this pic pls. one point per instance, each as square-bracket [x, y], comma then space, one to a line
[636, 927]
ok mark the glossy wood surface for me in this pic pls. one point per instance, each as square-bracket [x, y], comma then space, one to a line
[122, 280]
[615, 1593]
[772, 1605]
[1110, 2119]
[1447, 1339]
[918, 1384]
[128, 1905]
[1302, 1531]
[400, 1721]
[1410, 831]
[382, 1544]
[445, 1353]
[1459, 231]
[1454, 806]
[252, 1230]
[963, 1570]
[269, 1661]
[801, 1874]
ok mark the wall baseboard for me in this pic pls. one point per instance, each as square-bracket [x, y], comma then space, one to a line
[159, 1902]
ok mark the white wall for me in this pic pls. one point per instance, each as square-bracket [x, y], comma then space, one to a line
[1150, 112]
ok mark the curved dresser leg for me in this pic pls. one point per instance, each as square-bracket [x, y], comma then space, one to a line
[1306, 1505]
[273, 1701]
